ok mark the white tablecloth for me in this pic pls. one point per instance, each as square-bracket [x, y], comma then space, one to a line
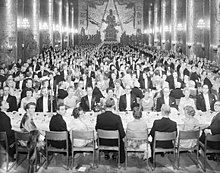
[89, 118]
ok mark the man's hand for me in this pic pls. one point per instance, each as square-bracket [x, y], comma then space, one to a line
[207, 131]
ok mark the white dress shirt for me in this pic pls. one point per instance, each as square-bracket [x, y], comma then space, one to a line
[20, 84]
[45, 104]
[166, 100]
[90, 102]
[128, 101]
[207, 102]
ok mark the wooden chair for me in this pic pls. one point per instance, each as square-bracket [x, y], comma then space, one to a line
[208, 150]
[4, 147]
[106, 134]
[21, 139]
[56, 136]
[164, 136]
[83, 135]
[141, 136]
[188, 135]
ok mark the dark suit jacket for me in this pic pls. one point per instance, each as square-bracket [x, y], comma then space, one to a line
[5, 126]
[39, 106]
[123, 102]
[163, 125]
[137, 92]
[176, 93]
[200, 102]
[12, 101]
[23, 84]
[142, 83]
[160, 102]
[110, 121]
[208, 83]
[170, 80]
[58, 124]
[45, 73]
[97, 93]
[85, 103]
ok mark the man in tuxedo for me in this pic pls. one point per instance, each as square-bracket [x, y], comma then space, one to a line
[88, 102]
[136, 90]
[44, 102]
[177, 93]
[127, 101]
[20, 84]
[42, 72]
[173, 79]
[163, 125]
[28, 84]
[97, 91]
[5, 126]
[58, 124]
[145, 81]
[205, 101]
[165, 99]
[110, 121]
[35, 66]
[12, 101]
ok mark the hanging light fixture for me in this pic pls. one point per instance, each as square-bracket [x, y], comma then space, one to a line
[201, 24]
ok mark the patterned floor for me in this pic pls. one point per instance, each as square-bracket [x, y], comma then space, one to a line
[135, 165]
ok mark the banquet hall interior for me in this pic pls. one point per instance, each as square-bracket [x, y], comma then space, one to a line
[106, 86]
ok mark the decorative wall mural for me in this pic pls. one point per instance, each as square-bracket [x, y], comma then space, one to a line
[110, 17]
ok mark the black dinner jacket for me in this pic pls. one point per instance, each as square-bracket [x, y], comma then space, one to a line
[123, 102]
[160, 102]
[39, 106]
[170, 80]
[110, 121]
[58, 124]
[137, 92]
[12, 101]
[142, 83]
[163, 125]
[5, 126]
[23, 84]
[200, 102]
[85, 103]
[45, 73]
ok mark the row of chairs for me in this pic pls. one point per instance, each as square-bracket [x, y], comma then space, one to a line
[103, 134]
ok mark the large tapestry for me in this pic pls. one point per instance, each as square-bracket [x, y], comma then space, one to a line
[99, 16]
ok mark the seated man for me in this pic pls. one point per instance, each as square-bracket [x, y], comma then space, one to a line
[111, 121]
[205, 101]
[44, 102]
[5, 126]
[58, 124]
[127, 101]
[88, 102]
[12, 101]
[165, 99]
[163, 125]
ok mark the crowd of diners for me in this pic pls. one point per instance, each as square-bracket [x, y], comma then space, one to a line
[108, 79]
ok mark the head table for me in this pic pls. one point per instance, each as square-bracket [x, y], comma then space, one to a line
[42, 120]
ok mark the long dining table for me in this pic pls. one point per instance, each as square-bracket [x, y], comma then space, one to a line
[42, 120]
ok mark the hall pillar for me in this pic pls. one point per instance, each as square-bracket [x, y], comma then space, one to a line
[8, 31]
[215, 31]
[174, 24]
[190, 27]
[150, 25]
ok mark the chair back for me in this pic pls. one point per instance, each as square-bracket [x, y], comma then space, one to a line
[56, 136]
[24, 136]
[106, 134]
[213, 138]
[3, 140]
[137, 135]
[82, 134]
[192, 134]
[165, 136]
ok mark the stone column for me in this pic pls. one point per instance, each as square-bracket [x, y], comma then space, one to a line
[156, 28]
[174, 24]
[72, 27]
[215, 31]
[8, 31]
[51, 25]
[67, 25]
[150, 25]
[190, 27]
[163, 23]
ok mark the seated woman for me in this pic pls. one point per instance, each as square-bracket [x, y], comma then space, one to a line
[190, 123]
[138, 125]
[27, 124]
[77, 124]
[28, 99]
[147, 103]
[71, 100]
[186, 101]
